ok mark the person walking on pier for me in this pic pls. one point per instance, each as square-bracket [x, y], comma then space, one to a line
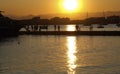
[77, 28]
[55, 27]
[39, 28]
[58, 27]
[46, 27]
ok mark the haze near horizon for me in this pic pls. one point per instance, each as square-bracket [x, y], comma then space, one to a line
[38, 7]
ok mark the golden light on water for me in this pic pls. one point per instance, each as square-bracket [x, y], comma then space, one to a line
[70, 28]
[71, 45]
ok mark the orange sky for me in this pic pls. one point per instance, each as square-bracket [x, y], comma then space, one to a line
[37, 7]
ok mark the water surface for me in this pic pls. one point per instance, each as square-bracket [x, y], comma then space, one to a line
[30, 54]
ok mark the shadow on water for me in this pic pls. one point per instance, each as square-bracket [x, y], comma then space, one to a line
[9, 39]
[3, 39]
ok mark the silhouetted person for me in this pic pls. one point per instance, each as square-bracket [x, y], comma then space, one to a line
[36, 27]
[58, 27]
[91, 27]
[77, 27]
[32, 27]
[39, 28]
[46, 28]
[55, 27]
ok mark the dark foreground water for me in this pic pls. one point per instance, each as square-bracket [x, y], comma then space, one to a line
[29, 54]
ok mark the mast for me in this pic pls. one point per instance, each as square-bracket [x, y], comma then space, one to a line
[104, 15]
[87, 15]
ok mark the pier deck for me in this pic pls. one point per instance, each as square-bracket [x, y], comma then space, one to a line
[89, 33]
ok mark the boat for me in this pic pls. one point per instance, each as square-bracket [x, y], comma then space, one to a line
[8, 26]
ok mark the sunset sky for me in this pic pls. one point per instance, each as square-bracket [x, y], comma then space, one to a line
[37, 7]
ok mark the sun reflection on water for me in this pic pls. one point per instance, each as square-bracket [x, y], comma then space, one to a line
[70, 27]
[71, 45]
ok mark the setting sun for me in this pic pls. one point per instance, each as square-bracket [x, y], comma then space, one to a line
[70, 5]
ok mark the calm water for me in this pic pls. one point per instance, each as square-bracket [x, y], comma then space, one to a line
[35, 54]
[60, 55]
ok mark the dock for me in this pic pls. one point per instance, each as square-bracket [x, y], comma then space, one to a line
[88, 33]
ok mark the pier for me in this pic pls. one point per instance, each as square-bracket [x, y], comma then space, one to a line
[89, 33]
[70, 30]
